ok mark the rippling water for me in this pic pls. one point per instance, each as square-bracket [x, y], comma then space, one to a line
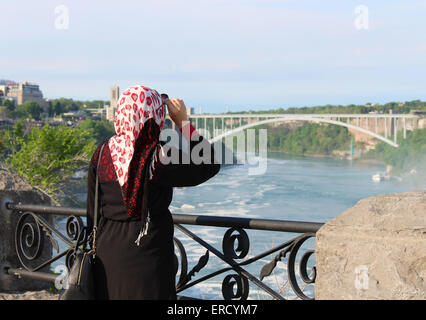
[293, 188]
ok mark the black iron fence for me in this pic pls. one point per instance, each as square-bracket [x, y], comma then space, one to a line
[33, 230]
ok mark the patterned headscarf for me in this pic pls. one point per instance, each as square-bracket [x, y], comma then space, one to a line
[139, 118]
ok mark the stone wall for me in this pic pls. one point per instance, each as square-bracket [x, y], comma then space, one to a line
[375, 250]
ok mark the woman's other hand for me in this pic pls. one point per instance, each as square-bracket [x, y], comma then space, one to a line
[177, 111]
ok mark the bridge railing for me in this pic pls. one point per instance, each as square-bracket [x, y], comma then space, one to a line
[32, 230]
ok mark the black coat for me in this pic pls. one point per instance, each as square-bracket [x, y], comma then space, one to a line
[123, 269]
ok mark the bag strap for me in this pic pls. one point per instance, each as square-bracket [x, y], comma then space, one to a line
[96, 205]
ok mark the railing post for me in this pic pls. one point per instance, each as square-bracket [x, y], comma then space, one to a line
[395, 130]
[386, 127]
[405, 128]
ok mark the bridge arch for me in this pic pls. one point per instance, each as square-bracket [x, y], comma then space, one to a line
[302, 118]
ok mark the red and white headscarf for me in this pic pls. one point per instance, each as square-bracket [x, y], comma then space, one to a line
[139, 119]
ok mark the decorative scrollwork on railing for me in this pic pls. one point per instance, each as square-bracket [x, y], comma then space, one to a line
[29, 239]
[30, 236]
[302, 267]
[228, 243]
[236, 245]
[229, 283]
[183, 262]
[293, 247]
[70, 257]
[33, 232]
[186, 276]
[74, 228]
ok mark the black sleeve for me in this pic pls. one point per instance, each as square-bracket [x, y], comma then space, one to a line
[189, 170]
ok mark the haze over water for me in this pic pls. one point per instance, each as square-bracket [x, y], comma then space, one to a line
[293, 188]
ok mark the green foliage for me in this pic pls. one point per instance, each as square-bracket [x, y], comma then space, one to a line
[63, 105]
[9, 104]
[49, 155]
[29, 109]
[3, 148]
[411, 153]
[57, 107]
[100, 130]
[309, 139]
[10, 140]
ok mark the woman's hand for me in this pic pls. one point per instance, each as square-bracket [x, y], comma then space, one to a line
[177, 111]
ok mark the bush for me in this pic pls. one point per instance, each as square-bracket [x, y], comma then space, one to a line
[49, 155]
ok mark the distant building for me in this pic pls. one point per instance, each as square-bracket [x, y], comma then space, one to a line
[22, 92]
[110, 110]
[76, 115]
[97, 114]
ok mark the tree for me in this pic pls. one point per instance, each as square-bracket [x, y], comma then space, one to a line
[49, 155]
[9, 104]
[57, 107]
[100, 130]
[12, 139]
[29, 109]
[50, 109]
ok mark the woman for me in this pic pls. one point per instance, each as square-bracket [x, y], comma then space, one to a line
[135, 252]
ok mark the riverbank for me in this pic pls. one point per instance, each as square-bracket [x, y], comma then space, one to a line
[332, 156]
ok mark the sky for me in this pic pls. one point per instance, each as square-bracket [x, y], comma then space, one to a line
[220, 54]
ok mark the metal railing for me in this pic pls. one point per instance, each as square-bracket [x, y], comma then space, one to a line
[32, 230]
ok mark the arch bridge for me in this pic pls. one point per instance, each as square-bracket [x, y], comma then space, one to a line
[381, 126]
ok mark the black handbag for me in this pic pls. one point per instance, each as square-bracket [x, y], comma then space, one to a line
[80, 283]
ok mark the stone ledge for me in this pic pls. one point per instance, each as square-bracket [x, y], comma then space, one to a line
[375, 250]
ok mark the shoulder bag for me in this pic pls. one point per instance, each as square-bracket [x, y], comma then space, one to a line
[80, 283]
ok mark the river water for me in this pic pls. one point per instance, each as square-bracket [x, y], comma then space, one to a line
[292, 188]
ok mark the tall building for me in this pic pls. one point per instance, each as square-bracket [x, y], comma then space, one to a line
[115, 93]
[110, 111]
[22, 92]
